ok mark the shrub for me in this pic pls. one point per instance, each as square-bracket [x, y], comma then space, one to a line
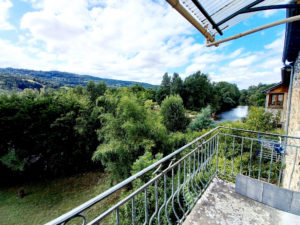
[203, 120]
[173, 113]
[260, 120]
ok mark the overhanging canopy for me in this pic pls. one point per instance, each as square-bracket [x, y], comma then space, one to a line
[213, 17]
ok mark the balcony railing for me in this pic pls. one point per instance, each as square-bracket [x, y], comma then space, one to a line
[166, 191]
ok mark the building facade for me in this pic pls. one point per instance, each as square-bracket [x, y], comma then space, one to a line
[294, 130]
[277, 101]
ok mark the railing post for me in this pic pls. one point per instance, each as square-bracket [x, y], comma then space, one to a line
[218, 134]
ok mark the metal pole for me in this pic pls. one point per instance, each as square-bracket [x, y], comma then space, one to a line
[287, 20]
[287, 123]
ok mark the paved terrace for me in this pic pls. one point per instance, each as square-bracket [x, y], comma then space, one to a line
[221, 205]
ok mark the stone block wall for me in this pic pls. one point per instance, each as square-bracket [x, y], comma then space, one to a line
[269, 194]
[291, 176]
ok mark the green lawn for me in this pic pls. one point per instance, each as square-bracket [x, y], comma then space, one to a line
[48, 200]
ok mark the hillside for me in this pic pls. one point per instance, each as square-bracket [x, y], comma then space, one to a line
[19, 79]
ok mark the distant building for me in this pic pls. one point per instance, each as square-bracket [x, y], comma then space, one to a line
[277, 96]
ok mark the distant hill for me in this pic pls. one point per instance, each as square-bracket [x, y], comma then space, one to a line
[19, 79]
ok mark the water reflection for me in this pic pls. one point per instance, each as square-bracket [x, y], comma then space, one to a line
[233, 114]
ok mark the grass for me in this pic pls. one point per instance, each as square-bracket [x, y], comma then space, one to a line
[45, 201]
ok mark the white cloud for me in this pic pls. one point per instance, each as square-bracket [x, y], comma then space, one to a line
[277, 45]
[129, 40]
[118, 39]
[5, 5]
[242, 62]
[251, 68]
[268, 13]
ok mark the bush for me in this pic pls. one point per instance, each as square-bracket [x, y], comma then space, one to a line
[129, 130]
[173, 113]
[44, 135]
[203, 120]
[260, 120]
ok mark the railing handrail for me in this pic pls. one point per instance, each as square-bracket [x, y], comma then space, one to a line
[122, 184]
[76, 211]
[258, 132]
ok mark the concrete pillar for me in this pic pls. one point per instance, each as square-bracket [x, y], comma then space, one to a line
[291, 176]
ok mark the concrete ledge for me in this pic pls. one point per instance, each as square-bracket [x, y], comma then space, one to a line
[276, 197]
[295, 206]
[255, 189]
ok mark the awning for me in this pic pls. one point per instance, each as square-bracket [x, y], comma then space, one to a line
[211, 17]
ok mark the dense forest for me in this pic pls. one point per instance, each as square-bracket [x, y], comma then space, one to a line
[47, 132]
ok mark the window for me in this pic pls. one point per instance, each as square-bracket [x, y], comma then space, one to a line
[276, 100]
[280, 99]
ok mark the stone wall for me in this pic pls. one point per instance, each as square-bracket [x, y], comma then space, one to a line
[291, 176]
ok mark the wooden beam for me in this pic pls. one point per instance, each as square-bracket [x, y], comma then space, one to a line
[176, 4]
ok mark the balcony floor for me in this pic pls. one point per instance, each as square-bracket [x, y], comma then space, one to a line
[220, 205]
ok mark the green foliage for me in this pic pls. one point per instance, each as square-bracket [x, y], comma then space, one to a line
[198, 91]
[173, 113]
[49, 134]
[165, 88]
[203, 120]
[228, 95]
[129, 129]
[260, 120]
[95, 90]
[12, 161]
[254, 95]
[46, 200]
[143, 162]
[244, 98]
[177, 85]
[54, 79]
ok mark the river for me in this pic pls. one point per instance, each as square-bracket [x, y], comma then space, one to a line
[233, 114]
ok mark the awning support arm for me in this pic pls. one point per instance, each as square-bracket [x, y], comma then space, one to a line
[239, 12]
[203, 11]
[249, 8]
[287, 20]
[285, 6]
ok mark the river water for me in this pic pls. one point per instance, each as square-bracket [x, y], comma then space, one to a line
[233, 114]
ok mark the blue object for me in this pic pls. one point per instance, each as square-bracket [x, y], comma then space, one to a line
[276, 146]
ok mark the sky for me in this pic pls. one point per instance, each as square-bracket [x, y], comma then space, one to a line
[133, 40]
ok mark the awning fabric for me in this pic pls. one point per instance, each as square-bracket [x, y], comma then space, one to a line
[219, 10]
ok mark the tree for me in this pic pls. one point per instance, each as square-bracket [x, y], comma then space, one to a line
[177, 85]
[244, 97]
[203, 120]
[165, 88]
[255, 95]
[129, 130]
[95, 90]
[173, 113]
[51, 134]
[197, 91]
[166, 81]
[228, 95]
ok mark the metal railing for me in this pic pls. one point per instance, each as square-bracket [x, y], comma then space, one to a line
[166, 191]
